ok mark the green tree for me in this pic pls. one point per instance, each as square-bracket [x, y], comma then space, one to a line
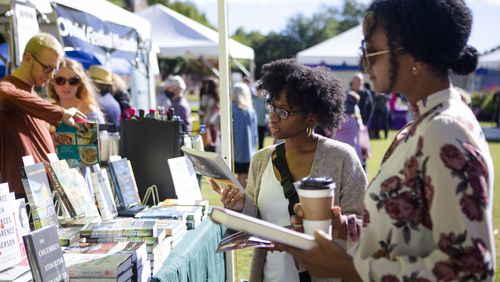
[121, 3]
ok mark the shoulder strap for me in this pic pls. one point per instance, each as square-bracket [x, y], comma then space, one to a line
[279, 161]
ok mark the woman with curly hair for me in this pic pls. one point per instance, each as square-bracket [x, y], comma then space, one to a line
[71, 87]
[428, 213]
[300, 98]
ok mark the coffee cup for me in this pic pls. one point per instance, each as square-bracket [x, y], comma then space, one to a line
[316, 196]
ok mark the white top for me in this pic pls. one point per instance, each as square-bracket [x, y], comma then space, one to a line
[428, 211]
[273, 208]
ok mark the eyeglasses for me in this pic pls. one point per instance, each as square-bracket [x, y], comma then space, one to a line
[73, 81]
[283, 114]
[365, 59]
[45, 68]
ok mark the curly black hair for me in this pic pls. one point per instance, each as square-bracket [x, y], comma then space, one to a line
[432, 31]
[315, 90]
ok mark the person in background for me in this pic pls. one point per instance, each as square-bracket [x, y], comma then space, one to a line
[71, 87]
[428, 213]
[174, 89]
[381, 115]
[103, 80]
[259, 105]
[300, 98]
[25, 116]
[365, 99]
[120, 92]
[210, 113]
[245, 135]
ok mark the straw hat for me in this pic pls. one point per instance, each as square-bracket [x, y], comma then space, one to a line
[101, 75]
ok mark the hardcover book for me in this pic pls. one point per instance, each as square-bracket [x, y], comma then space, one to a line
[262, 229]
[45, 255]
[212, 166]
[79, 147]
[103, 194]
[97, 265]
[121, 228]
[123, 178]
[161, 212]
[36, 186]
[10, 254]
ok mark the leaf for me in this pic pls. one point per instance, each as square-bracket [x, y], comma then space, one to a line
[460, 239]
[413, 259]
[399, 224]
[380, 205]
[374, 197]
[462, 186]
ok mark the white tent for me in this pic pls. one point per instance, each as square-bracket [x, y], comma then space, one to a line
[340, 50]
[177, 35]
[490, 61]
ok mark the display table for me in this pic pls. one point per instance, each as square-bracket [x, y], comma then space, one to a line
[194, 258]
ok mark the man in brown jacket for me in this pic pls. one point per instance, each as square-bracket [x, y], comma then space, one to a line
[25, 117]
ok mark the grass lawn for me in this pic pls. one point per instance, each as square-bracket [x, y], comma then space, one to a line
[242, 258]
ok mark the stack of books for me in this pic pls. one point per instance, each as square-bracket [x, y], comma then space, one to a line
[204, 204]
[114, 261]
[150, 231]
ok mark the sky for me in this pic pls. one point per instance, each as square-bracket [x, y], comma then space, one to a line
[272, 15]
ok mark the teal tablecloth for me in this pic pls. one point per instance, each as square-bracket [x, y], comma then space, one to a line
[194, 259]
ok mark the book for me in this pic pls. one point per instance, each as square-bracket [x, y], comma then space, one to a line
[158, 212]
[10, 252]
[212, 166]
[45, 255]
[121, 228]
[124, 181]
[22, 227]
[16, 274]
[72, 189]
[37, 188]
[263, 229]
[79, 147]
[241, 240]
[103, 194]
[184, 179]
[68, 236]
[97, 265]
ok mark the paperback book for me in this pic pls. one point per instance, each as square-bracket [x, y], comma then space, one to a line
[37, 188]
[212, 166]
[121, 228]
[10, 253]
[45, 255]
[103, 194]
[79, 147]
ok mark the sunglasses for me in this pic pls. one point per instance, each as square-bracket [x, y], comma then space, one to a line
[282, 113]
[73, 81]
[45, 68]
[367, 57]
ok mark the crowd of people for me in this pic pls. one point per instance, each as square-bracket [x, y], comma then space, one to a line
[427, 213]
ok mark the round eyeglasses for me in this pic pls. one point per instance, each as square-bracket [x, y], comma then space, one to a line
[73, 81]
[45, 68]
[282, 113]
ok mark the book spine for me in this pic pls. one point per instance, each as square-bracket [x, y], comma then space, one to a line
[34, 212]
[147, 240]
[60, 191]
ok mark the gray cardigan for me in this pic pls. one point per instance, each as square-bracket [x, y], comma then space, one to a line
[331, 159]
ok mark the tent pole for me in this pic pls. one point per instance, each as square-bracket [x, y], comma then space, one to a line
[225, 112]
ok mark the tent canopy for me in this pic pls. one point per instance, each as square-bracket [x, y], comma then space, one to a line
[342, 49]
[490, 61]
[177, 35]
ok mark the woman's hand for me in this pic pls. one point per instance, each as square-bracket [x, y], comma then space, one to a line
[71, 115]
[328, 259]
[339, 227]
[231, 198]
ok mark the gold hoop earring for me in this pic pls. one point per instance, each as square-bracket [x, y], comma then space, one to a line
[309, 131]
[414, 70]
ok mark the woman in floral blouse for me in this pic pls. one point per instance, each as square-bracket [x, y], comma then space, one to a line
[428, 211]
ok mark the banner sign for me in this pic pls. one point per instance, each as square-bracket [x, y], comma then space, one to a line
[25, 26]
[88, 33]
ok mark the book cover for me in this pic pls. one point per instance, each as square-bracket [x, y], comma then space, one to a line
[241, 240]
[79, 147]
[16, 274]
[161, 212]
[262, 229]
[103, 194]
[184, 179]
[22, 228]
[39, 195]
[127, 276]
[10, 253]
[81, 265]
[45, 255]
[120, 228]
[212, 166]
[122, 175]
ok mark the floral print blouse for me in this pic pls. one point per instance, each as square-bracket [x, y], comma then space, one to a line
[428, 211]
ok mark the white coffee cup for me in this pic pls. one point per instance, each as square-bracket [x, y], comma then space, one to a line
[316, 198]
